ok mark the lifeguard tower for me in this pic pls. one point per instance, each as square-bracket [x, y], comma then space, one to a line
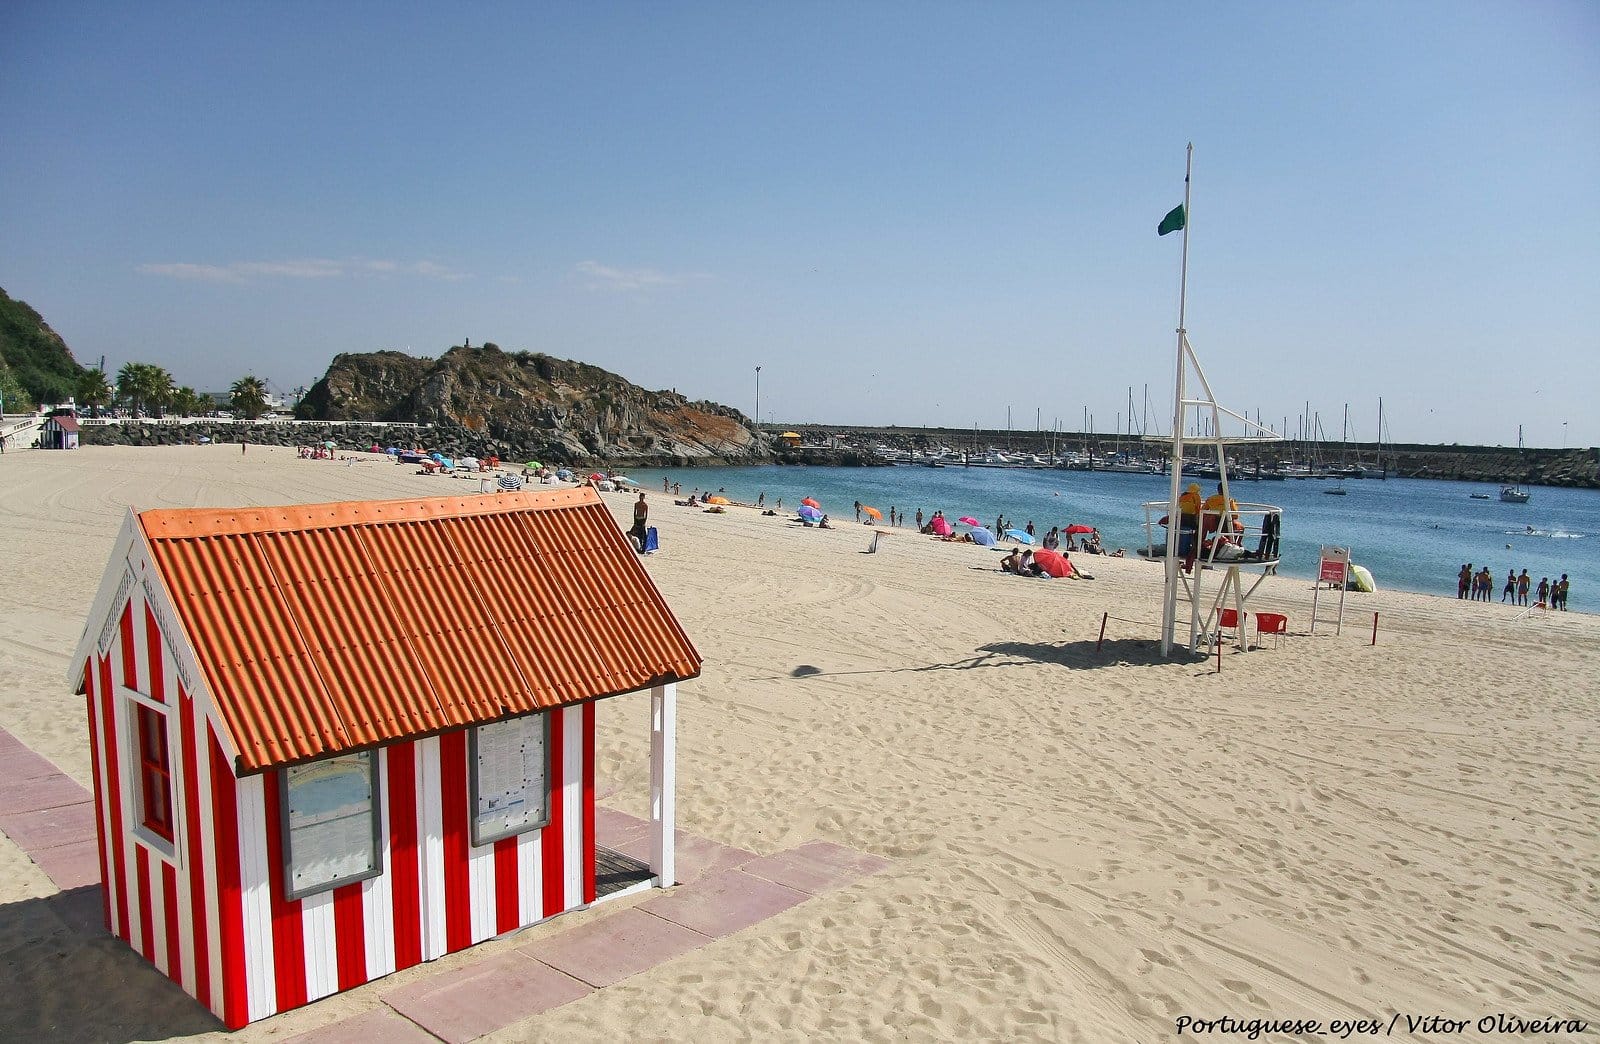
[1220, 538]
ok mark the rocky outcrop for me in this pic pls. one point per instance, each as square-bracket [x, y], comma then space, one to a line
[534, 405]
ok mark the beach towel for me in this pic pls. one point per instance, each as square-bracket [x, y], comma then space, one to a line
[651, 545]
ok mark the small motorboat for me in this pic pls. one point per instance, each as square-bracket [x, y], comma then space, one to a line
[1478, 496]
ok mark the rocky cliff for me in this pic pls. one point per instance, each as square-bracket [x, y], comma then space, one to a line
[527, 404]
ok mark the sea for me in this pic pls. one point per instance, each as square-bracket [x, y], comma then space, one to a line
[1413, 534]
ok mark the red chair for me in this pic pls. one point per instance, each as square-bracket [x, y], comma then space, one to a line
[1275, 624]
[1230, 619]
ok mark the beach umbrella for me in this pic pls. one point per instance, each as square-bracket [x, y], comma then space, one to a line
[328, 444]
[436, 455]
[623, 480]
[1021, 535]
[873, 512]
[535, 465]
[563, 474]
[1054, 563]
[810, 514]
[718, 500]
[596, 476]
[1076, 528]
[469, 462]
[982, 536]
[969, 520]
[942, 527]
[393, 451]
[510, 483]
[809, 502]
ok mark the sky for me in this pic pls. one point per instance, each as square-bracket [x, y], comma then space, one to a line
[903, 213]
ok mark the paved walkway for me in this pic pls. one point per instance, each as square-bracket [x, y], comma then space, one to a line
[722, 890]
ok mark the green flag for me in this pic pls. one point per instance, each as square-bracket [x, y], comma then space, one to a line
[1172, 222]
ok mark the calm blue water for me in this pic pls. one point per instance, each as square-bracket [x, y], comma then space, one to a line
[1413, 534]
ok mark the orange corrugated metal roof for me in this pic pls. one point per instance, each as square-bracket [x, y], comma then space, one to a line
[330, 627]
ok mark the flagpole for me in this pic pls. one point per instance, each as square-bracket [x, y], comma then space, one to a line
[1169, 604]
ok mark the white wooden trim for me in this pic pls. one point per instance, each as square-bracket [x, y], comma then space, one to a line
[255, 892]
[430, 847]
[101, 607]
[571, 783]
[664, 781]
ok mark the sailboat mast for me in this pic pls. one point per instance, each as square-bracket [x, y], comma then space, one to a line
[1169, 602]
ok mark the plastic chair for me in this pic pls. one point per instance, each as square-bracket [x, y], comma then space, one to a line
[1229, 619]
[1275, 624]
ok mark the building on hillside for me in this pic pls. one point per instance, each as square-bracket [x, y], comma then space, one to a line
[59, 431]
[333, 741]
[790, 439]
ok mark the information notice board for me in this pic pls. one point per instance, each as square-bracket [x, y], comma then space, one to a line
[510, 772]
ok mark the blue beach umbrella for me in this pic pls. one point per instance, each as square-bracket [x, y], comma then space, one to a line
[982, 536]
[810, 514]
[1020, 535]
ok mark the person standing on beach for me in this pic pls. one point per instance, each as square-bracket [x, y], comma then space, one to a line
[761, 501]
[1544, 590]
[1511, 588]
[919, 518]
[1561, 592]
[641, 516]
[1464, 580]
[1523, 583]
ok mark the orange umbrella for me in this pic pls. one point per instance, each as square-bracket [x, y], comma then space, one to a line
[809, 502]
[874, 512]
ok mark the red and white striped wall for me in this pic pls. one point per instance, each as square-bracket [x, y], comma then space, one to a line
[210, 911]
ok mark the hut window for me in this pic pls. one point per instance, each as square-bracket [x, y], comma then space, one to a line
[510, 777]
[330, 824]
[155, 772]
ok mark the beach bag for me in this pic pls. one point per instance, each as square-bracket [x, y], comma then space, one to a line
[651, 545]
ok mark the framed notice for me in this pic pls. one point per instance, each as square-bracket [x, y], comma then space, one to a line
[510, 777]
[1335, 563]
[330, 824]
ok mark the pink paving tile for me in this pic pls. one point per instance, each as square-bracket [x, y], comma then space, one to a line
[379, 1025]
[696, 857]
[18, 764]
[816, 866]
[723, 903]
[610, 949]
[50, 827]
[612, 828]
[482, 997]
[44, 792]
[9, 743]
[70, 866]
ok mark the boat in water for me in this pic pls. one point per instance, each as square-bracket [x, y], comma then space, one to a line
[1478, 496]
[1514, 493]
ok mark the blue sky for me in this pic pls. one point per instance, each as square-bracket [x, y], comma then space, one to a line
[904, 213]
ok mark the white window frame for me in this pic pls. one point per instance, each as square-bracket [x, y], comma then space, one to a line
[474, 766]
[132, 699]
[292, 891]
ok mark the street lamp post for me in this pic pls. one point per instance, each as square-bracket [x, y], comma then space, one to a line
[758, 398]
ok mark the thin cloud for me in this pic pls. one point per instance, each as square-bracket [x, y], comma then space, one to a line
[605, 277]
[304, 268]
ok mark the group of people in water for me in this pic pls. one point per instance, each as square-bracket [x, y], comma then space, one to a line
[1479, 587]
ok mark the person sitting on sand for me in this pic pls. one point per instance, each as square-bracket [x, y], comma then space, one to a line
[1030, 567]
[1012, 563]
[823, 524]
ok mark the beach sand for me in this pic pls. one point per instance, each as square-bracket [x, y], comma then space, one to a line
[1085, 845]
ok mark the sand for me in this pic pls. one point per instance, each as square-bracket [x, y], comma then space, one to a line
[1086, 845]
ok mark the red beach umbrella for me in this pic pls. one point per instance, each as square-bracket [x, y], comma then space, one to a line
[1053, 563]
[1076, 528]
[809, 502]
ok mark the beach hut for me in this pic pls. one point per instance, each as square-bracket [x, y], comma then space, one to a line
[59, 431]
[790, 439]
[333, 741]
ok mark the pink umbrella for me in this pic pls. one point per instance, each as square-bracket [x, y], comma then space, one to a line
[941, 527]
[969, 520]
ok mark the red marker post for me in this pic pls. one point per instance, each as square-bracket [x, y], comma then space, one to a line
[1374, 628]
[1103, 618]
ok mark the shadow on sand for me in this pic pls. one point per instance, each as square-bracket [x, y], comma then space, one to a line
[1117, 652]
[64, 975]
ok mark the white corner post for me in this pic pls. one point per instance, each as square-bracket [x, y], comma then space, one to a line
[664, 782]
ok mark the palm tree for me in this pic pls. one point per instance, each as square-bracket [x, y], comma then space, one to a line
[93, 390]
[249, 397]
[186, 402]
[145, 387]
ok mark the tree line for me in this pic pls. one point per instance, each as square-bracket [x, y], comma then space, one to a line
[144, 388]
